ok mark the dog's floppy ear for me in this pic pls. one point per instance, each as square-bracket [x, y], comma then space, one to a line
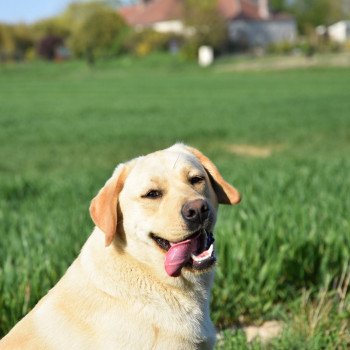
[103, 208]
[225, 193]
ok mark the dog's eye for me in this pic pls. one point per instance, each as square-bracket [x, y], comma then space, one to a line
[153, 194]
[196, 179]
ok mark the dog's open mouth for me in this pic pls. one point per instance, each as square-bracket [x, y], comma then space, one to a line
[196, 252]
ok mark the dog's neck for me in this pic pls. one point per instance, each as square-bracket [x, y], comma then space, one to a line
[117, 274]
[109, 267]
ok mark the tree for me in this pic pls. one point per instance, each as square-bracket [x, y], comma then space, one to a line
[15, 41]
[24, 40]
[7, 42]
[206, 23]
[55, 26]
[278, 6]
[48, 46]
[311, 13]
[97, 30]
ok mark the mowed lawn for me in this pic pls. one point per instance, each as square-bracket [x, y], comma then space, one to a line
[281, 137]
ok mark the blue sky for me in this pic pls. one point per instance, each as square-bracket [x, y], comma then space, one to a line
[12, 11]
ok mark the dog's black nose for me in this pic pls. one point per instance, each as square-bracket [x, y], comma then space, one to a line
[195, 211]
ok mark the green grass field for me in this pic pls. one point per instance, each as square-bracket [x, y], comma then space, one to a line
[284, 252]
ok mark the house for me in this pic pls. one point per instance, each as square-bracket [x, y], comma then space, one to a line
[249, 22]
[339, 32]
[160, 15]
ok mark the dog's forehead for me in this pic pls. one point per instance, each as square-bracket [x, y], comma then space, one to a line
[163, 164]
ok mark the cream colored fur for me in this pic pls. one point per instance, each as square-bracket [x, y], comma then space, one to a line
[116, 294]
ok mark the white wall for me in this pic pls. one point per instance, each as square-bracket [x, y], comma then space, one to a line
[169, 27]
[340, 31]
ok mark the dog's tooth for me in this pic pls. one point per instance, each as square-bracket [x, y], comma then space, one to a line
[208, 254]
[210, 250]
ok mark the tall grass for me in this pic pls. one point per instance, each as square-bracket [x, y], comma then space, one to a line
[63, 128]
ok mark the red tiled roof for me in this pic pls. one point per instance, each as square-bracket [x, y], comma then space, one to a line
[249, 10]
[229, 8]
[164, 10]
[238, 9]
[152, 12]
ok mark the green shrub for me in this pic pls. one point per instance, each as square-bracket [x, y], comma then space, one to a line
[282, 48]
[97, 34]
[15, 41]
[144, 42]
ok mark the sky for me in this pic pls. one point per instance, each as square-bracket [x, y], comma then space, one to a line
[29, 11]
[13, 11]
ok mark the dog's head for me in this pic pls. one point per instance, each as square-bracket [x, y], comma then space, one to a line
[161, 209]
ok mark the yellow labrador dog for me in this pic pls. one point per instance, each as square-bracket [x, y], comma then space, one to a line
[143, 278]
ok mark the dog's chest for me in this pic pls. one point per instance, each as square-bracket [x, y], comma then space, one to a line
[172, 322]
[143, 327]
[128, 325]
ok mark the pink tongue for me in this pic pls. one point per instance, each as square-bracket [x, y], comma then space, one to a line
[178, 255]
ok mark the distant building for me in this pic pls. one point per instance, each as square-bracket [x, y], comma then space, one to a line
[250, 23]
[160, 15]
[340, 31]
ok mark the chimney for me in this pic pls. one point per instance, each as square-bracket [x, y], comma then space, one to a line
[263, 8]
